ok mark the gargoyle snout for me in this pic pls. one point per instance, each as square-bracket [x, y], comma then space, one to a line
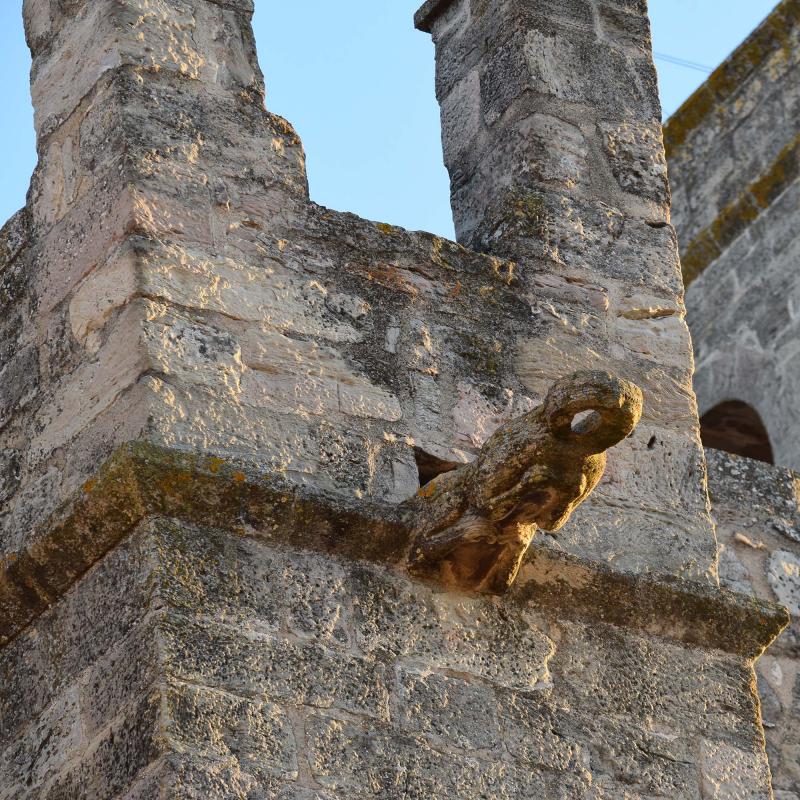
[595, 410]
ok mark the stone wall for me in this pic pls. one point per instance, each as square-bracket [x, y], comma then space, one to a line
[178, 286]
[215, 395]
[734, 169]
[551, 128]
[758, 526]
[195, 663]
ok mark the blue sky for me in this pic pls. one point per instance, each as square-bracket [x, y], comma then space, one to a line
[358, 85]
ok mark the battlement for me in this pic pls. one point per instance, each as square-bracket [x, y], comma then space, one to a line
[300, 506]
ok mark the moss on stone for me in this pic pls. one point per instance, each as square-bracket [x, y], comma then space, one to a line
[142, 480]
[688, 117]
[770, 37]
[783, 171]
[697, 614]
[699, 253]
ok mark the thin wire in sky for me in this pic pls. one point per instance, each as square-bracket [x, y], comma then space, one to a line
[682, 62]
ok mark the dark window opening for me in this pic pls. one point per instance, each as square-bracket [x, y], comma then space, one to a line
[429, 466]
[736, 427]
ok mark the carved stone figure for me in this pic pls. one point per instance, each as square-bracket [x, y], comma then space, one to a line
[473, 525]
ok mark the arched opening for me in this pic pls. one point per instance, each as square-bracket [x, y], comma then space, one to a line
[736, 427]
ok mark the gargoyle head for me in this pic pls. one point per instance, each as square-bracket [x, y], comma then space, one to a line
[540, 467]
[475, 524]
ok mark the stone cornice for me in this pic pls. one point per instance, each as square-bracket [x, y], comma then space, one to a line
[142, 480]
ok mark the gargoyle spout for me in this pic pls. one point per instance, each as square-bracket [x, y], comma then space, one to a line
[473, 526]
[613, 408]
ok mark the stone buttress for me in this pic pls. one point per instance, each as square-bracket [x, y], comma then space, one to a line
[216, 397]
[758, 525]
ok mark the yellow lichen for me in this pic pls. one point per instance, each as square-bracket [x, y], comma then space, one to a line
[732, 220]
[771, 37]
[214, 464]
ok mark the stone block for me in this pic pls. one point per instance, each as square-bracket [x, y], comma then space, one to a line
[462, 121]
[283, 670]
[113, 761]
[727, 772]
[349, 759]
[784, 578]
[637, 159]
[217, 726]
[196, 41]
[532, 731]
[19, 379]
[448, 711]
[462, 634]
[44, 749]
[627, 24]
[119, 678]
[574, 69]
[87, 624]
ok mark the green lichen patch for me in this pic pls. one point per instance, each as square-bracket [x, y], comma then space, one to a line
[783, 171]
[689, 117]
[699, 253]
[142, 480]
[697, 614]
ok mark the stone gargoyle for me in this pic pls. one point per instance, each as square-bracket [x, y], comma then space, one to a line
[472, 526]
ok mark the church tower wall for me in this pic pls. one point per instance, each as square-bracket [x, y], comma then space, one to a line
[220, 397]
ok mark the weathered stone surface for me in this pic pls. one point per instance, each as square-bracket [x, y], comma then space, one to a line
[222, 610]
[784, 578]
[553, 167]
[189, 294]
[282, 673]
[440, 735]
[733, 162]
[758, 527]
[473, 525]
[10, 461]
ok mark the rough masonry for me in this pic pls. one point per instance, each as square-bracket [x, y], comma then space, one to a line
[733, 163]
[215, 397]
[758, 525]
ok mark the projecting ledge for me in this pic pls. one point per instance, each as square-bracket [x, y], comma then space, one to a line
[424, 18]
[142, 480]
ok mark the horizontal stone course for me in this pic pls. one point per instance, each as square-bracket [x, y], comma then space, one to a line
[142, 480]
[410, 691]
